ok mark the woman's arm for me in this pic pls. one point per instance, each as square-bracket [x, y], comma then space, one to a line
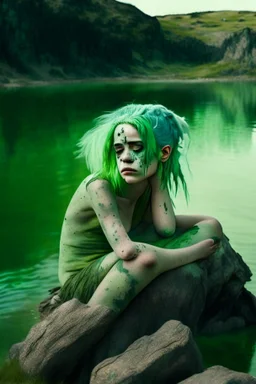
[163, 215]
[104, 204]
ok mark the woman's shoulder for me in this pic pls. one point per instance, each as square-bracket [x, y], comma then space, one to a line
[96, 180]
[81, 199]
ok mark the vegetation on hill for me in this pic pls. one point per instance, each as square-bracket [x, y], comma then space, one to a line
[210, 27]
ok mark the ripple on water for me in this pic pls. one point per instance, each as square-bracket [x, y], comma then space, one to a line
[27, 285]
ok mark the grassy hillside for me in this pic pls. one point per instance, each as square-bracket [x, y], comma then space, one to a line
[181, 71]
[209, 27]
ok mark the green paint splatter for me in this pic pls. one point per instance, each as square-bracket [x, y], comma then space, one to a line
[184, 240]
[119, 303]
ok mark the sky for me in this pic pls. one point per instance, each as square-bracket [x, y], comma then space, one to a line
[166, 7]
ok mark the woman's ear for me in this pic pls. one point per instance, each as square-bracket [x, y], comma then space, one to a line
[166, 153]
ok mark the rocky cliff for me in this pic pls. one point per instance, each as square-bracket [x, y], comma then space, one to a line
[241, 47]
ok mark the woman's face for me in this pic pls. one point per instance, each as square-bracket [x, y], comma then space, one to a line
[130, 155]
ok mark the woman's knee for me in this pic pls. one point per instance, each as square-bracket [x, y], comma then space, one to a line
[215, 226]
[145, 260]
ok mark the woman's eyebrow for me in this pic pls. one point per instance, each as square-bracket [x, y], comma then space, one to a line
[129, 142]
[135, 142]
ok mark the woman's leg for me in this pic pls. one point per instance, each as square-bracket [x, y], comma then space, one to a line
[190, 229]
[197, 228]
[185, 222]
[127, 278]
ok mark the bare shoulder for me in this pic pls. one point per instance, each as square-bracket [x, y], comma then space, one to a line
[92, 185]
[100, 191]
[90, 190]
[80, 201]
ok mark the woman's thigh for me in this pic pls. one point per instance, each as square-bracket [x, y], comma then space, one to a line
[83, 284]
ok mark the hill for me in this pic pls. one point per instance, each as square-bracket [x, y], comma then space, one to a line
[76, 39]
[228, 36]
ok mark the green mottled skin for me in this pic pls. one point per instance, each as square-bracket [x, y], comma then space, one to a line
[125, 297]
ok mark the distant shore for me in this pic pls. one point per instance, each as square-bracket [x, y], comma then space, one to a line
[19, 83]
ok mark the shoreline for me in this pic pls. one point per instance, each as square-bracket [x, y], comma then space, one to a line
[22, 83]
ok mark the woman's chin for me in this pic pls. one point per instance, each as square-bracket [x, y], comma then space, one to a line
[133, 179]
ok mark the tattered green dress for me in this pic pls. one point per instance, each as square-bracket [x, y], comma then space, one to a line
[88, 272]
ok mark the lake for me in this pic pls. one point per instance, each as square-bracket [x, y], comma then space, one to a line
[39, 129]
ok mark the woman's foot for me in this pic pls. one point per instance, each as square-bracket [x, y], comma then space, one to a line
[198, 251]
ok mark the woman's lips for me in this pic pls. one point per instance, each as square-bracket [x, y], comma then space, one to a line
[128, 170]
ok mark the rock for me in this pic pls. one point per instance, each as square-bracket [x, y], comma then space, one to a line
[240, 47]
[208, 296]
[54, 346]
[48, 305]
[15, 351]
[220, 375]
[170, 353]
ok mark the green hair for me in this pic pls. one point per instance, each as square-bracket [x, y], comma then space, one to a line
[157, 127]
[109, 167]
[169, 129]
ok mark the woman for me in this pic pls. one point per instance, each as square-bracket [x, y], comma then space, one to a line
[120, 230]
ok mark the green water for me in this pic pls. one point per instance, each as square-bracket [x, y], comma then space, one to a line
[39, 128]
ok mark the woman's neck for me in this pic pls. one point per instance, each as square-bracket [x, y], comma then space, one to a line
[132, 192]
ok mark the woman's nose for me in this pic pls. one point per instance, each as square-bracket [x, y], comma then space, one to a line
[126, 157]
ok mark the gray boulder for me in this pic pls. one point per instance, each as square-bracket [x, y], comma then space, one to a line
[170, 353]
[208, 296]
[54, 346]
[219, 375]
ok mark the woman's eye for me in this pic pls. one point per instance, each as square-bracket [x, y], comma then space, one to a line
[119, 151]
[138, 148]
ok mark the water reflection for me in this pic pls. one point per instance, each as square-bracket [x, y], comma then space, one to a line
[240, 346]
[21, 291]
[213, 133]
[39, 128]
[237, 102]
[21, 287]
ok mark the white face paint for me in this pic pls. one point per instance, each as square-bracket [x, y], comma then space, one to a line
[130, 155]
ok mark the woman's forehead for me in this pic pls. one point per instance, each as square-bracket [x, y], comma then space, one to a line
[127, 131]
